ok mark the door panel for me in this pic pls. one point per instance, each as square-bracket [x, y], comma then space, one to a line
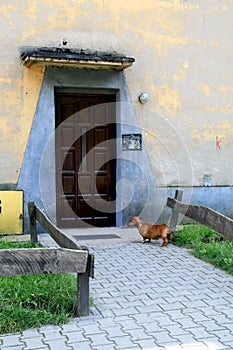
[86, 170]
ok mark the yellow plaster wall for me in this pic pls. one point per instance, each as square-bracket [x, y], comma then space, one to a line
[19, 96]
[183, 51]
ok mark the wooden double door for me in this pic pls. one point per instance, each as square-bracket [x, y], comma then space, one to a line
[85, 160]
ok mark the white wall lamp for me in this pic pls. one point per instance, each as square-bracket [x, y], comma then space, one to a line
[143, 98]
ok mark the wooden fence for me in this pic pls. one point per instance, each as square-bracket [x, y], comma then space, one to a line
[202, 214]
[69, 258]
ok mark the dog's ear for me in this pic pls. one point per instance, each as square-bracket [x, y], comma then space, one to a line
[132, 220]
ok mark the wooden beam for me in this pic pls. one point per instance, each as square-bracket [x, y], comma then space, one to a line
[59, 237]
[204, 215]
[83, 307]
[32, 222]
[38, 261]
[175, 215]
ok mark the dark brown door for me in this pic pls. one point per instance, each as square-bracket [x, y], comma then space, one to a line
[85, 160]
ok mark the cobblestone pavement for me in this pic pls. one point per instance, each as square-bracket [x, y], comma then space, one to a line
[146, 297]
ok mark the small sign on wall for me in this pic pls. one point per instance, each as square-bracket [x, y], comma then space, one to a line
[131, 142]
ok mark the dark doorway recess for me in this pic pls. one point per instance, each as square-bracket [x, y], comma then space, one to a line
[85, 160]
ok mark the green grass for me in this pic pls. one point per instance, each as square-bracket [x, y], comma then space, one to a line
[207, 245]
[32, 301]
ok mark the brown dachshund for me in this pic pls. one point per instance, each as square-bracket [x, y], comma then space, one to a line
[149, 232]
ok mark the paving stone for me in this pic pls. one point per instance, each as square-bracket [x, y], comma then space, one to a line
[134, 303]
[216, 301]
[99, 339]
[150, 308]
[109, 322]
[196, 304]
[114, 331]
[151, 327]
[185, 338]
[224, 335]
[126, 323]
[164, 320]
[30, 333]
[34, 343]
[229, 326]
[199, 333]
[212, 326]
[124, 342]
[221, 319]
[126, 311]
[173, 306]
[175, 330]
[198, 316]
[140, 297]
[105, 312]
[11, 340]
[70, 327]
[58, 344]
[175, 314]
[163, 337]
[208, 311]
[225, 310]
[52, 334]
[91, 329]
[74, 337]
[138, 334]
[147, 344]
[81, 346]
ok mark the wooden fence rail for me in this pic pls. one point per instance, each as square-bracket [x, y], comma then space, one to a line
[204, 215]
[36, 214]
[15, 262]
[68, 258]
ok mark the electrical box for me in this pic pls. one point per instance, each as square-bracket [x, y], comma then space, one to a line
[11, 212]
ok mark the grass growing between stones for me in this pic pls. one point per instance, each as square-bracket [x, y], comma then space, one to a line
[207, 245]
[32, 301]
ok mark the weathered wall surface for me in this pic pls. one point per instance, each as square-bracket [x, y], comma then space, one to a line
[183, 51]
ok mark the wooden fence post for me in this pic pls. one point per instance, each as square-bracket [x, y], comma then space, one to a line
[83, 287]
[32, 222]
[175, 215]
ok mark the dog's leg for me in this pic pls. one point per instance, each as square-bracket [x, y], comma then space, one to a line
[164, 243]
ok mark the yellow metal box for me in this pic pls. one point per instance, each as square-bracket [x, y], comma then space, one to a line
[11, 212]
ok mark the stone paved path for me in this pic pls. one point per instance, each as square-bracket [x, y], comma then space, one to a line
[146, 297]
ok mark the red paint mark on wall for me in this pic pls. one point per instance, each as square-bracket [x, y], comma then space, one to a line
[218, 143]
